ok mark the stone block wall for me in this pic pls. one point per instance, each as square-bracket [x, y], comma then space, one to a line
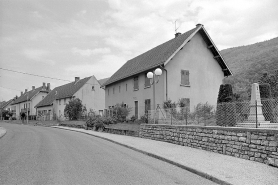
[259, 145]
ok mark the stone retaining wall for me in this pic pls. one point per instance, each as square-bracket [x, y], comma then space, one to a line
[259, 145]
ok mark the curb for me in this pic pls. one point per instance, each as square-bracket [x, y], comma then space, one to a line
[3, 133]
[195, 171]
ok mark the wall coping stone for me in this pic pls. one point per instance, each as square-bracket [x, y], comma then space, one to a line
[266, 130]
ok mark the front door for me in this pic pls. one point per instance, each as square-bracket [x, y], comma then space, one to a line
[147, 105]
[136, 109]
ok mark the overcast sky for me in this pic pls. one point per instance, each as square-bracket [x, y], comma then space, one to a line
[67, 38]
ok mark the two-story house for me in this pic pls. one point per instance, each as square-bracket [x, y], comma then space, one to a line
[87, 90]
[28, 99]
[192, 69]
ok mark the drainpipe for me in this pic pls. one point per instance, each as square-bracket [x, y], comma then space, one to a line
[166, 82]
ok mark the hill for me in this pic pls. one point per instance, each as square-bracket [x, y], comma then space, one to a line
[248, 63]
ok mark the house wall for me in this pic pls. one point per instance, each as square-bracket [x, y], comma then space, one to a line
[35, 100]
[46, 108]
[205, 78]
[129, 95]
[205, 74]
[60, 107]
[92, 99]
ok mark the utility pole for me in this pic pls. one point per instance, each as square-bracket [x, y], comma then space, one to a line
[27, 108]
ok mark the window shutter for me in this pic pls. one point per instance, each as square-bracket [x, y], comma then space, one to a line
[184, 77]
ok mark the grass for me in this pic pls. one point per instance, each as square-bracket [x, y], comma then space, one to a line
[126, 126]
[122, 126]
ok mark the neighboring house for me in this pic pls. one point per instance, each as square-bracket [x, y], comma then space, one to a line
[6, 106]
[87, 90]
[192, 69]
[28, 100]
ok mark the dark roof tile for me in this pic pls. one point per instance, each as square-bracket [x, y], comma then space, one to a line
[31, 94]
[150, 59]
[64, 91]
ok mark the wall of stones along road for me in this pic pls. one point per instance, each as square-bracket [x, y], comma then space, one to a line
[259, 145]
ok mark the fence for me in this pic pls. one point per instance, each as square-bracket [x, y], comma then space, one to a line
[224, 114]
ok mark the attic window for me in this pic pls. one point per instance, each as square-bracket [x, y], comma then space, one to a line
[93, 88]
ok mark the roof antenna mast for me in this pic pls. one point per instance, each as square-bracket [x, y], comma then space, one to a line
[176, 28]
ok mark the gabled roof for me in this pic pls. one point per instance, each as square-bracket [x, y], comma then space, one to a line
[163, 53]
[102, 81]
[64, 91]
[5, 104]
[30, 94]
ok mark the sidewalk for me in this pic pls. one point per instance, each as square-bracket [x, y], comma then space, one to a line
[2, 132]
[219, 168]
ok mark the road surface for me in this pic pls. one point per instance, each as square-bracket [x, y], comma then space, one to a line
[44, 155]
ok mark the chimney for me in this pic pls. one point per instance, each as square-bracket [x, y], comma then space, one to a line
[21, 93]
[43, 85]
[77, 78]
[177, 34]
[48, 87]
[25, 90]
[16, 97]
[198, 25]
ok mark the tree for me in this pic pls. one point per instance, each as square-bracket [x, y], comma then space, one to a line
[272, 80]
[74, 109]
[6, 114]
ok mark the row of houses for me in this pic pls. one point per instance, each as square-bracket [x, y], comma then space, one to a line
[191, 67]
[43, 101]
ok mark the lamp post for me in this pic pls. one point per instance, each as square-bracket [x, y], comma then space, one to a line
[152, 75]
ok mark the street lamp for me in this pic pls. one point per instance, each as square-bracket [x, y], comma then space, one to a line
[152, 75]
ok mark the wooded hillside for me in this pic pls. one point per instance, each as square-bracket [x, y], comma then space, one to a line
[248, 63]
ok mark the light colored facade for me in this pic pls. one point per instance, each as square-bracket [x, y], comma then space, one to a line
[87, 90]
[192, 72]
[27, 101]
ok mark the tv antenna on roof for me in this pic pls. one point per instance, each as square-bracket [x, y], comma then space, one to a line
[176, 28]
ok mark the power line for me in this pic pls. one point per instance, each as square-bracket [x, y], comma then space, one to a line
[34, 74]
[39, 75]
[10, 88]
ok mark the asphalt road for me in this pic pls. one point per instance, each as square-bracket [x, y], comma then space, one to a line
[44, 155]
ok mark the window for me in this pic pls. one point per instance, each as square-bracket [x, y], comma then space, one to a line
[147, 105]
[147, 81]
[93, 88]
[42, 97]
[136, 85]
[60, 102]
[65, 101]
[119, 89]
[113, 90]
[125, 87]
[185, 77]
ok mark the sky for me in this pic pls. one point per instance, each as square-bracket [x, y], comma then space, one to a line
[65, 39]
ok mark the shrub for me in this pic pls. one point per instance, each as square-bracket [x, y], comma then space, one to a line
[132, 118]
[169, 104]
[74, 109]
[120, 112]
[225, 93]
[203, 112]
[144, 118]
[225, 111]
